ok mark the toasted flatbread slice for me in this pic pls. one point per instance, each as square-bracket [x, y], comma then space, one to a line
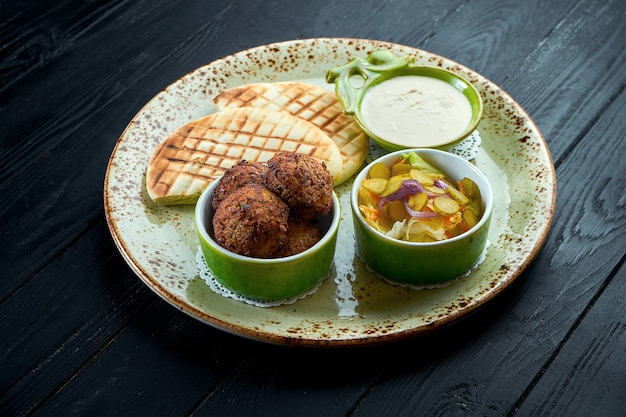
[196, 154]
[309, 102]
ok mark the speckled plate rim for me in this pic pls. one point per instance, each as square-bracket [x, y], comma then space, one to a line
[159, 243]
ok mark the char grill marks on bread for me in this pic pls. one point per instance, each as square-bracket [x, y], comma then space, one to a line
[192, 157]
[309, 102]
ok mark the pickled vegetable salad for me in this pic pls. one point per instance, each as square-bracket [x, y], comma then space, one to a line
[416, 202]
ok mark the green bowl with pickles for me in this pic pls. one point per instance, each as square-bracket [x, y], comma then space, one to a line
[421, 263]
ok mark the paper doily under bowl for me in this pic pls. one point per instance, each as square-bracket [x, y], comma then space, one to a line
[218, 288]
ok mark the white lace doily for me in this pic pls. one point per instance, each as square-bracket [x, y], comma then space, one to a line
[467, 273]
[466, 149]
[218, 288]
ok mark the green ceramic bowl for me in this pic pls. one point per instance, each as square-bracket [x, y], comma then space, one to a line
[382, 66]
[416, 263]
[266, 279]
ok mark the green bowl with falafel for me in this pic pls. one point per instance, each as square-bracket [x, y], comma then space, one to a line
[246, 249]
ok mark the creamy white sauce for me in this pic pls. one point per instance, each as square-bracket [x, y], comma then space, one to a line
[415, 111]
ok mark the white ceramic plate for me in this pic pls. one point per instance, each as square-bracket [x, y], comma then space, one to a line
[352, 307]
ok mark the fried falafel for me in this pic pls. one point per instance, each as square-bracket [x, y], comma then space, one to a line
[251, 221]
[301, 235]
[242, 173]
[305, 184]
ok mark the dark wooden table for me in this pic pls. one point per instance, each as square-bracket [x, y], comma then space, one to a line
[82, 335]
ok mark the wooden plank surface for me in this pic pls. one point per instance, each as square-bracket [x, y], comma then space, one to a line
[83, 336]
[587, 374]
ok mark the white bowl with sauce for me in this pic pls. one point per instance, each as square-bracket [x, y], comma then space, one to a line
[403, 106]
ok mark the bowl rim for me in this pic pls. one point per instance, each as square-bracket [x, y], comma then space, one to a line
[204, 203]
[487, 202]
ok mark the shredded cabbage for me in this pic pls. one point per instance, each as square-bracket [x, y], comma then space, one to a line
[419, 163]
[397, 230]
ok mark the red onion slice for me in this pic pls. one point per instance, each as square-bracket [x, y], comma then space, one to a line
[408, 187]
[419, 214]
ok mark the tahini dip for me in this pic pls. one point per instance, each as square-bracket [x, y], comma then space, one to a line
[415, 111]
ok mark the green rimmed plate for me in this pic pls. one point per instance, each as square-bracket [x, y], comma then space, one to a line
[353, 306]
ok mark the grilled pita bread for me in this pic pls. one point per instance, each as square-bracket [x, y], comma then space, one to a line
[196, 154]
[314, 104]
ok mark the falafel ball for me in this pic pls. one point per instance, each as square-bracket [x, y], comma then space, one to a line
[301, 235]
[242, 173]
[251, 221]
[304, 183]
